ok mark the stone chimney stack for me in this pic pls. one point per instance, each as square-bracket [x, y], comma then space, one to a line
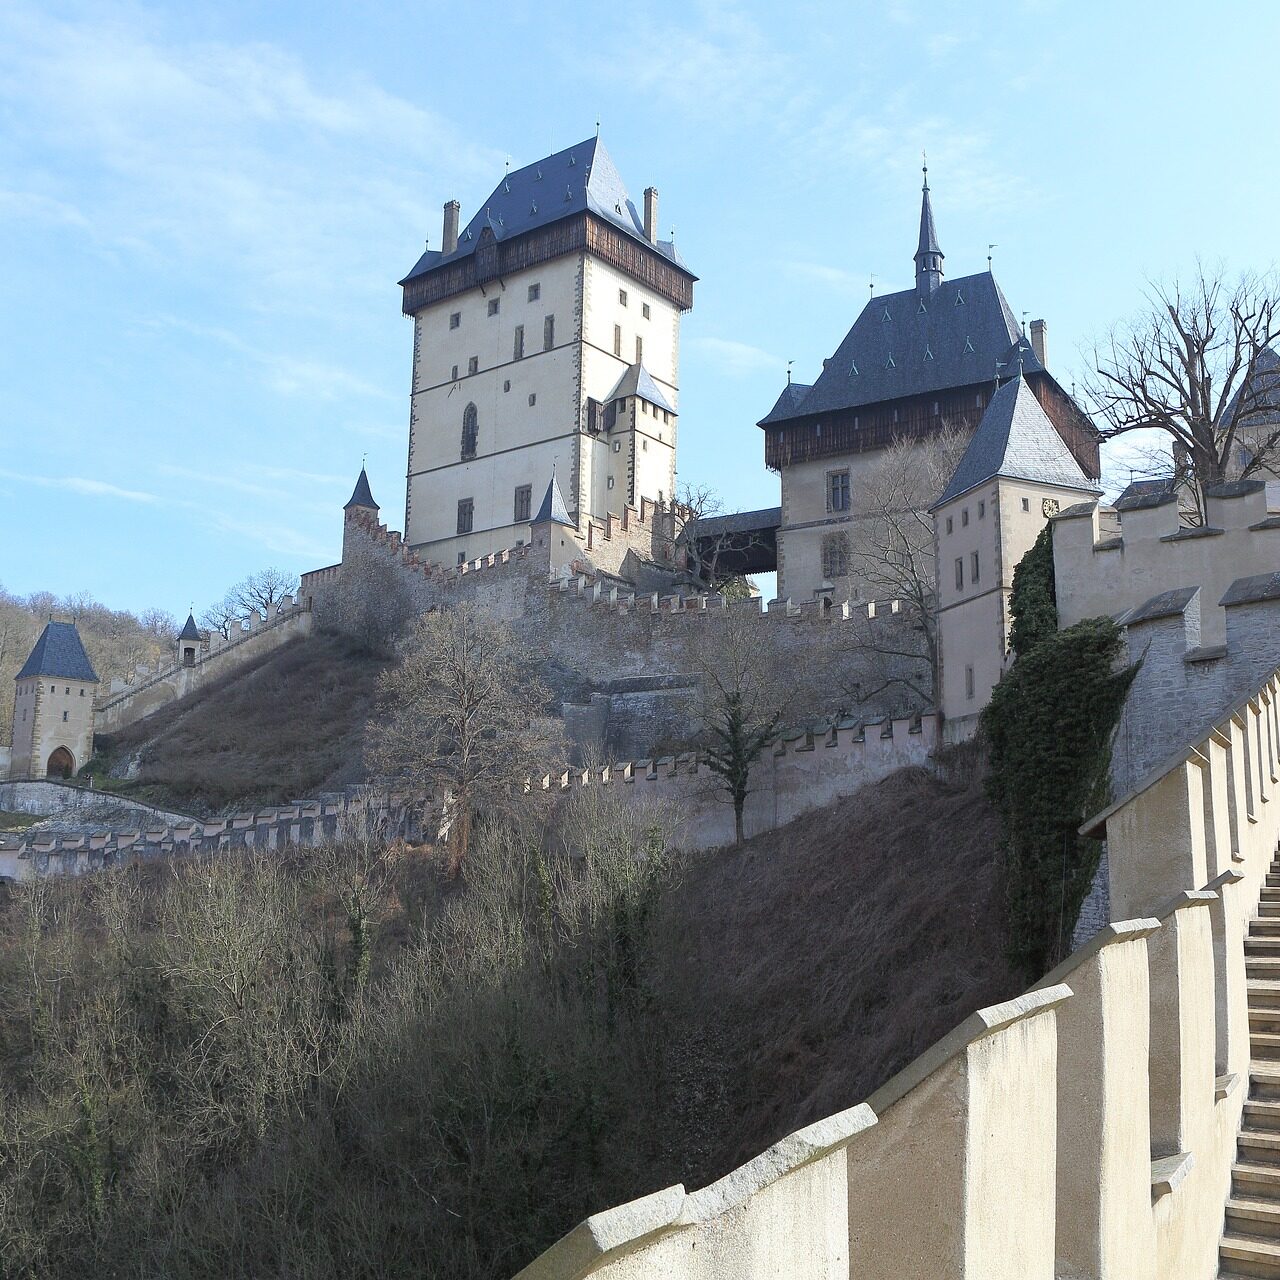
[651, 214]
[451, 211]
[1037, 341]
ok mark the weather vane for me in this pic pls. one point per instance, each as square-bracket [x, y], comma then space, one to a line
[989, 248]
[872, 284]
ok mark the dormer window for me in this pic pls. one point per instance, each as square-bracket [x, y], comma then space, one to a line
[959, 299]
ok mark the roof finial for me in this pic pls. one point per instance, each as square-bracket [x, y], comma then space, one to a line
[871, 284]
[597, 126]
[924, 167]
[989, 248]
[789, 364]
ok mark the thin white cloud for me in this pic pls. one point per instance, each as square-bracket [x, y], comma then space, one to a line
[737, 359]
[84, 485]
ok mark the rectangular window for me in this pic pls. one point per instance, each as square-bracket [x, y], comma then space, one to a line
[982, 511]
[466, 514]
[968, 682]
[617, 339]
[949, 523]
[835, 555]
[473, 365]
[548, 333]
[493, 306]
[462, 557]
[1026, 504]
[622, 297]
[959, 573]
[639, 348]
[524, 500]
[837, 491]
[644, 310]
[610, 483]
[617, 446]
[535, 292]
[517, 345]
[964, 518]
[973, 567]
[533, 398]
[453, 374]
[455, 319]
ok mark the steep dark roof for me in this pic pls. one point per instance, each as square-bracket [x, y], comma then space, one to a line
[906, 344]
[189, 630]
[788, 403]
[1265, 389]
[361, 496]
[59, 652]
[736, 522]
[1016, 440]
[928, 232]
[553, 508]
[1147, 493]
[636, 381]
[577, 179]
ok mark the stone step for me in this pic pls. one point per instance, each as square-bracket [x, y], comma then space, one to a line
[1262, 966]
[1262, 1113]
[1265, 927]
[1264, 1019]
[1263, 993]
[1264, 1044]
[1251, 1215]
[1262, 946]
[1255, 1181]
[1264, 1081]
[1254, 1254]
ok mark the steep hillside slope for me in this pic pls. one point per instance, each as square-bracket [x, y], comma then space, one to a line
[819, 960]
[286, 726]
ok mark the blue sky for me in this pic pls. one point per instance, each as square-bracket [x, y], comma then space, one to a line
[204, 211]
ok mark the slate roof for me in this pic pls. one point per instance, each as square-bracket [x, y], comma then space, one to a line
[1139, 494]
[1016, 440]
[636, 381]
[763, 520]
[788, 403]
[1267, 377]
[928, 232]
[59, 652]
[189, 630]
[908, 343]
[361, 495]
[553, 508]
[577, 179]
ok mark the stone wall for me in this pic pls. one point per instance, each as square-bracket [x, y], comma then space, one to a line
[218, 656]
[46, 798]
[1085, 1129]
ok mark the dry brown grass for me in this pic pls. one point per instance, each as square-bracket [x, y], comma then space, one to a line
[822, 958]
[286, 726]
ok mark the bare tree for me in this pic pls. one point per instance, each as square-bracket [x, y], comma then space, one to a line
[465, 714]
[263, 590]
[745, 690]
[889, 550]
[1199, 365]
[223, 616]
[710, 555]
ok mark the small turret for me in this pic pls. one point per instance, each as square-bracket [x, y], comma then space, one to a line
[553, 531]
[189, 642]
[928, 255]
[361, 496]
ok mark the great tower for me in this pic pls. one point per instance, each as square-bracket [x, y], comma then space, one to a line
[546, 338]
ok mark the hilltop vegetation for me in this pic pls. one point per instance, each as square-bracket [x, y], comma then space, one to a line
[342, 1063]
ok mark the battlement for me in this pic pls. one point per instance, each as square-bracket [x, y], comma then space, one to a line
[1108, 561]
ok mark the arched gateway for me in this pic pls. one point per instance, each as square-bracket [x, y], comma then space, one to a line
[61, 764]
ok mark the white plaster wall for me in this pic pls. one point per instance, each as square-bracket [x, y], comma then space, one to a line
[50, 713]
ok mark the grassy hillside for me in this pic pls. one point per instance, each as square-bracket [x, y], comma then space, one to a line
[339, 1064]
[284, 727]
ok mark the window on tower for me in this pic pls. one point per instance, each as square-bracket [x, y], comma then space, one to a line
[470, 431]
[644, 310]
[535, 292]
[466, 515]
[835, 555]
[548, 333]
[517, 346]
[639, 348]
[524, 501]
[622, 297]
[494, 303]
[838, 490]
[473, 364]
[455, 319]
[617, 339]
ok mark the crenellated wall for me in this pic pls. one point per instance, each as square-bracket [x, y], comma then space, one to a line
[1108, 561]
[1085, 1129]
[218, 656]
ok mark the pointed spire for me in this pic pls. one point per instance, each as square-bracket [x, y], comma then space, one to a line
[928, 255]
[190, 631]
[361, 495]
[553, 509]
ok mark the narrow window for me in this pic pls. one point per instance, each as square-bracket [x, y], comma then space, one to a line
[535, 292]
[470, 431]
[64, 717]
[982, 511]
[644, 445]
[473, 365]
[533, 398]
[617, 446]
[453, 375]
[644, 310]
[968, 682]
[610, 483]
[466, 514]
[838, 491]
[517, 344]
[506, 384]
[455, 319]
[617, 339]
[1026, 504]
[493, 306]
[949, 523]
[524, 500]
[959, 573]
[462, 557]
[548, 333]
[639, 348]
[973, 567]
[835, 555]
[622, 297]
[964, 518]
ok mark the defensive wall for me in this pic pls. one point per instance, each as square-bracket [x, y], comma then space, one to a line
[1109, 560]
[807, 769]
[216, 656]
[1085, 1129]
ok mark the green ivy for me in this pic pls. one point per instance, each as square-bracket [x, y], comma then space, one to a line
[1049, 727]
[1033, 603]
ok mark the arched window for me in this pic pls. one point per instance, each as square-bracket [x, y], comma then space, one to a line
[470, 431]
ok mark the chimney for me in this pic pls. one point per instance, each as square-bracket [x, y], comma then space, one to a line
[1037, 341]
[451, 211]
[651, 214]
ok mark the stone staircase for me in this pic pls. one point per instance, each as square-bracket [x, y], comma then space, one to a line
[1251, 1236]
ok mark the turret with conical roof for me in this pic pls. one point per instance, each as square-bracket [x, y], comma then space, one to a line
[53, 706]
[928, 253]
[361, 495]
